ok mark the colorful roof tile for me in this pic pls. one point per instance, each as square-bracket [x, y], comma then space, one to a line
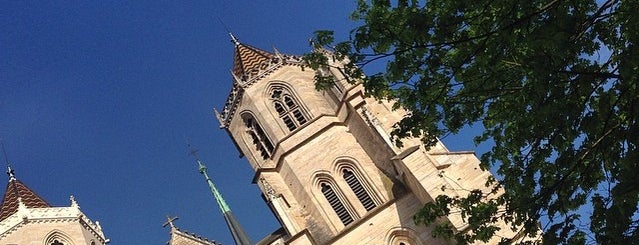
[17, 190]
[248, 59]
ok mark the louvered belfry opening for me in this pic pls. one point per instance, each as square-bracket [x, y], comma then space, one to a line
[259, 139]
[359, 190]
[336, 204]
[287, 108]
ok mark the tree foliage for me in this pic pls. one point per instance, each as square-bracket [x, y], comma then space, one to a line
[554, 84]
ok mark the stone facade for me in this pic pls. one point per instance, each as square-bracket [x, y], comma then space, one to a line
[28, 220]
[325, 161]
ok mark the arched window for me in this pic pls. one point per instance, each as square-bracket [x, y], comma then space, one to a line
[336, 203]
[403, 236]
[358, 189]
[56, 237]
[287, 108]
[56, 242]
[258, 137]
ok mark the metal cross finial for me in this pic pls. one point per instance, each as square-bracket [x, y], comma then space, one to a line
[169, 221]
[11, 173]
[193, 152]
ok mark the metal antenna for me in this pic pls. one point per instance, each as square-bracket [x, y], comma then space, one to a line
[6, 159]
[226, 28]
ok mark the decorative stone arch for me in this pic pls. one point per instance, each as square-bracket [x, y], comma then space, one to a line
[286, 105]
[358, 181]
[402, 236]
[57, 237]
[255, 137]
[331, 200]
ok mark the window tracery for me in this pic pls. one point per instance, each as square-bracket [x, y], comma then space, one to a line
[287, 108]
[56, 242]
[57, 237]
[258, 137]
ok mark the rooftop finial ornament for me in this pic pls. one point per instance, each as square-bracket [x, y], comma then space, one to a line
[169, 221]
[11, 173]
[234, 39]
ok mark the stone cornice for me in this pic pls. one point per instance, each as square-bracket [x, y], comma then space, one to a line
[48, 215]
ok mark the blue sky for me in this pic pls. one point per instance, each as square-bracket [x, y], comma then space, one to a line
[97, 97]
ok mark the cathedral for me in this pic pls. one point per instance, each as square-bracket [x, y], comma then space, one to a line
[324, 161]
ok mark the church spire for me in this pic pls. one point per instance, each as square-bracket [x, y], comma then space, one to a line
[239, 235]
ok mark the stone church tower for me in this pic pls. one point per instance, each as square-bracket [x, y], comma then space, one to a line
[325, 162]
[27, 219]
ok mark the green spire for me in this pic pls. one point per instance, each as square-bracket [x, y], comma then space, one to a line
[218, 197]
[238, 233]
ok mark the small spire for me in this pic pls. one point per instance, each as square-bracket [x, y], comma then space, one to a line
[277, 52]
[236, 79]
[203, 170]
[239, 235]
[74, 203]
[234, 39]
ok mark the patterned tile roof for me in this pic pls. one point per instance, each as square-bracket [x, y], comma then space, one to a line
[15, 188]
[247, 59]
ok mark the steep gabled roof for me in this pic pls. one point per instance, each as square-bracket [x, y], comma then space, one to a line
[17, 190]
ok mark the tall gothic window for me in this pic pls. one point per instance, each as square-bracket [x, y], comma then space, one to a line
[287, 108]
[336, 203]
[358, 189]
[259, 139]
[56, 242]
